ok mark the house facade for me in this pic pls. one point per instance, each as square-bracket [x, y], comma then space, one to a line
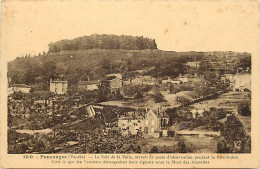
[88, 85]
[190, 78]
[58, 86]
[23, 88]
[227, 78]
[242, 82]
[155, 121]
[169, 80]
[142, 80]
[193, 64]
[149, 124]
[197, 113]
[116, 82]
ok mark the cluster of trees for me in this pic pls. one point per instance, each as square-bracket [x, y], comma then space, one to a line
[136, 91]
[225, 62]
[183, 101]
[170, 67]
[103, 42]
[202, 91]
[29, 71]
[27, 144]
[234, 138]
[244, 108]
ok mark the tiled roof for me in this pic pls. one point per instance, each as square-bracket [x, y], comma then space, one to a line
[59, 81]
[163, 114]
[119, 76]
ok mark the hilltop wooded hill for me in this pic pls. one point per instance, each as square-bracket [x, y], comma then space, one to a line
[103, 42]
[76, 65]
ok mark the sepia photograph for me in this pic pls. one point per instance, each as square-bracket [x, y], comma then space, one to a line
[121, 94]
[128, 77]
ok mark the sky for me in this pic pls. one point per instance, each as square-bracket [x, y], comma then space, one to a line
[29, 26]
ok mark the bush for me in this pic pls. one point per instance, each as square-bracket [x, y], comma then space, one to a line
[158, 97]
[244, 109]
[155, 149]
[181, 147]
[184, 101]
[222, 147]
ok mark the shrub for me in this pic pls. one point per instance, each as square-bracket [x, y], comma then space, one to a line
[158, 97]
[184, 101]
[244, 109]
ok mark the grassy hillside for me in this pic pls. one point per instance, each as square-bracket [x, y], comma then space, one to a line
[81, 64]
[96, 63]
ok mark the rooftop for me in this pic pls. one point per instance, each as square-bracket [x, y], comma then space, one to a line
[59, 81]
[118, 75]
[21, 85]
[88, 82]
[163, 114]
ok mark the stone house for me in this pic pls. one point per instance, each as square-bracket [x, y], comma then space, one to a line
[23, 88]
[58, 86]
[155, 121]
[115, 82]
[242, 82]
[88, 85]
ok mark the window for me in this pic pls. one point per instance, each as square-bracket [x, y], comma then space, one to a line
[152, 130]
[152, 122]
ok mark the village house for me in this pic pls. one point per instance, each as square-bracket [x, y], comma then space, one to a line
[23, 88]
[155, 121]
[58, 86]
[193, 64]
[151, 124]
[169, 80]
[88, 85]
[242, 82]
[142, 80]
[137, 80]
[116, 81]
[130, 125]
[149, 80]
[127, 81]
[197, 113]
[227, 78]
[191, 78]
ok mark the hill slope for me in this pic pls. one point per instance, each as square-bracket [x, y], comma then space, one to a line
[76, 65]
[81, 64]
